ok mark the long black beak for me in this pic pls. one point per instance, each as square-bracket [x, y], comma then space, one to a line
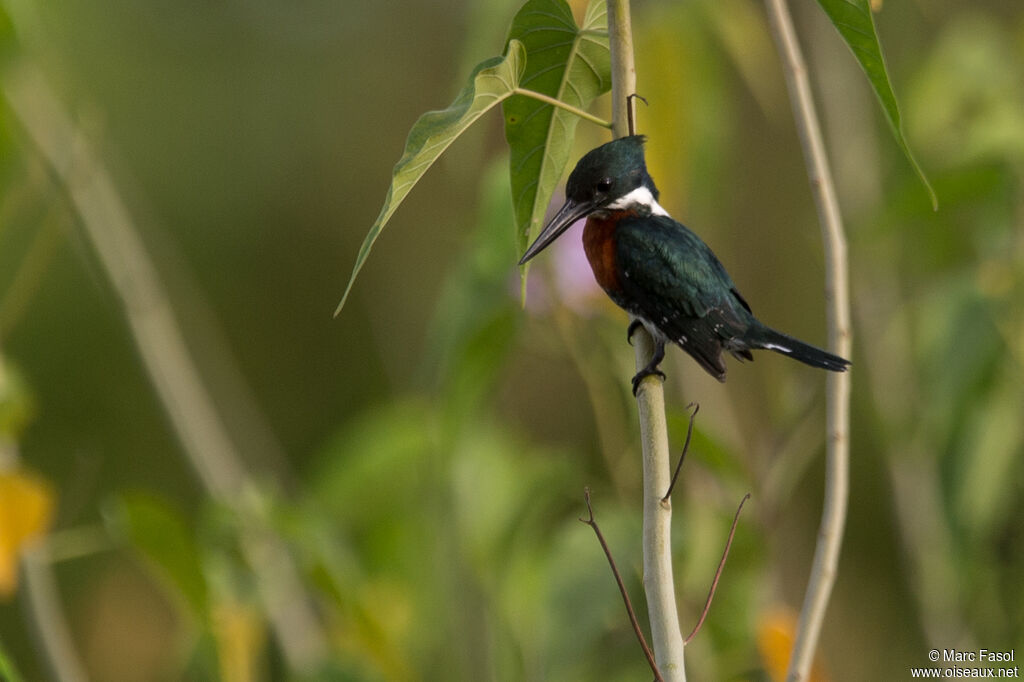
[570, 212]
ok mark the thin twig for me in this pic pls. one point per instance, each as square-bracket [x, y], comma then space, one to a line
[686, 447]
[718, 571]
[49, 625]
[833, 517]
[631, 111]
[622, 588]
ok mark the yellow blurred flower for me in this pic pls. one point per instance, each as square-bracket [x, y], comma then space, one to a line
[241, 636]
[26, 510]
[776, 631]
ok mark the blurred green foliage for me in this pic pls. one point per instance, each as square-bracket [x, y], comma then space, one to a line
[8, 672]
[424, 454]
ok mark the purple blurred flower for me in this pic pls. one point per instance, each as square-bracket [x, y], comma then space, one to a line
[574, 279]
[574, 285]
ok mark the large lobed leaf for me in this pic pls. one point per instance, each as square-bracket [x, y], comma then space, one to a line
[570, 63]
[491, 82]
[855, 23]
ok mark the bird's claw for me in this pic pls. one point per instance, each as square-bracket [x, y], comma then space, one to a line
[643, 374]
[633, 326]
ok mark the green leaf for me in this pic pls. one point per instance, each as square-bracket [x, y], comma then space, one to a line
[989, 466]
[8, 671]
[492, 81]
[16, 401]
[855, 23]
[6, 33]
[161, 533]
[570, 63]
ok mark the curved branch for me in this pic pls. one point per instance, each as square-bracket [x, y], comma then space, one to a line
[718, 572]
[592, 522]
[176, 380]
[833, 517]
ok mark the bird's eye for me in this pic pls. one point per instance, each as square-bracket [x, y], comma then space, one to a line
[604, 185]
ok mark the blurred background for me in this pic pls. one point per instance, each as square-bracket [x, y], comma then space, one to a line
[409, 474]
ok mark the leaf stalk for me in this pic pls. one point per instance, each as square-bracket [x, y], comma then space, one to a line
[541, 97]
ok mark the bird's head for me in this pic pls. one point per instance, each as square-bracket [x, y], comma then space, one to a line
[610, 177]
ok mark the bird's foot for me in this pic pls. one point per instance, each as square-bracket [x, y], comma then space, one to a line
[652, 366]
[643, 374]
[633, 326]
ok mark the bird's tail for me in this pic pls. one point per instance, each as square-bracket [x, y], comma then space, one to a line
[769, 339]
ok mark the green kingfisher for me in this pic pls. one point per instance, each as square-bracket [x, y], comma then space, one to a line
[659, 271]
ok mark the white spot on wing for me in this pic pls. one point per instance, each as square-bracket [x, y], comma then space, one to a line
[773, 346]
[653, 330]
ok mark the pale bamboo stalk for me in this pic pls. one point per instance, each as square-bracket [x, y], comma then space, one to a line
[833, 518]
[190, 408]
[666, 638]
[46, 615]
[39, 587]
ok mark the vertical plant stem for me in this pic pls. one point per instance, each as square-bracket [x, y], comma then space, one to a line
[46, 615]
[165, 356]
[42, 602]
[833, 518]
[620, 38]
[666, 638]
